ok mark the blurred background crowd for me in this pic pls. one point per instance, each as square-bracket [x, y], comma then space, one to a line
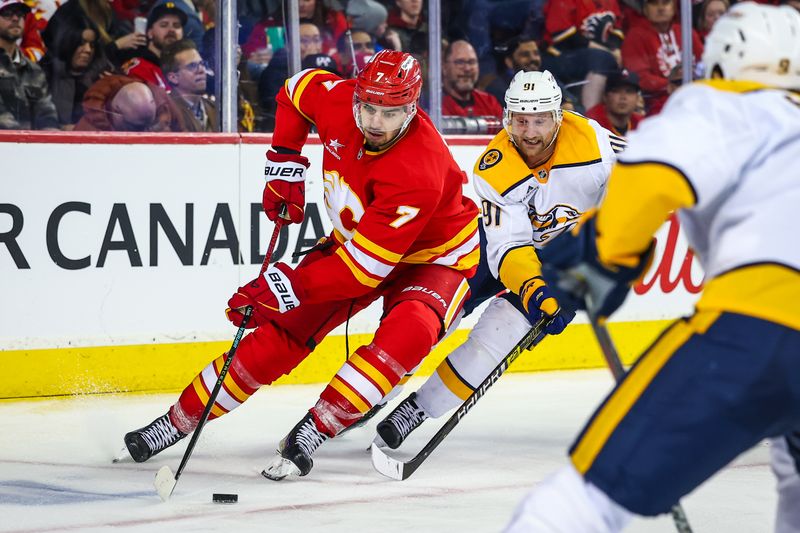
[149, 65]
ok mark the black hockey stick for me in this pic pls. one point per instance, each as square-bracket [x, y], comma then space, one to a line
[165, 480]
[400, 470]
[618, 371]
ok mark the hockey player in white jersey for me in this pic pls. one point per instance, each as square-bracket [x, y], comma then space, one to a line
[723, 153]
[535, 179]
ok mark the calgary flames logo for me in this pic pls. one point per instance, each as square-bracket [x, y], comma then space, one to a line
[553, 223]
[342, 204]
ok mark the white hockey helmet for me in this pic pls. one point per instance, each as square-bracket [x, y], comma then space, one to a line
[756, 42]
[533, 92]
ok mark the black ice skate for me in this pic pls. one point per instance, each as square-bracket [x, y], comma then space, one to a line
[364, 419]
[405, 418]
[145, 442]
[295, 450]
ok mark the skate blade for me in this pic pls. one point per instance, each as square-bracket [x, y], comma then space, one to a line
[165, 482]
[122, 456]
[281, 468]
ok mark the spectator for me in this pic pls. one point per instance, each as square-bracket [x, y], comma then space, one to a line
[710, 11]
[617, 111]
[370, 16]
[120, 103]
[71, 67]
[193, 27]
[583, 41]
[274, 76]
[164, 27]
[186, 72]
[25, 101]
[310, 39]
[362, 43]
[519, 53]
[113, 35]
[407, 20]
[331, 23]
[653, 51]
[366, 15]
[460, 74]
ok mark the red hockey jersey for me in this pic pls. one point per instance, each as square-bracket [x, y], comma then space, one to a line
[403, 204]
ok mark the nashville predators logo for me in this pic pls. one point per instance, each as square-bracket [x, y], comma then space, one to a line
[556, 221]
[490, 159]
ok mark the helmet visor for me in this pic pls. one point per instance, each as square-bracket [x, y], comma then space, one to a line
[381, 124]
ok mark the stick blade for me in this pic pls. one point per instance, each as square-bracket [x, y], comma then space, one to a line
[165, 482]
[388, 466]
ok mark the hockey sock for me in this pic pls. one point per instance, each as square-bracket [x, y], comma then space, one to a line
[237, 387]
[404, 337]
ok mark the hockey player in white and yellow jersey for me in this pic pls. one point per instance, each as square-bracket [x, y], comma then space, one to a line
[722, 154]
[535, 179]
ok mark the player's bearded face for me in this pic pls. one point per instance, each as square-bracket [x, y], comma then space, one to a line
[380, 124]
[533, 133]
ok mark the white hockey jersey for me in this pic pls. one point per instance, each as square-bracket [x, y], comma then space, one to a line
[524, 208]
[732, 149]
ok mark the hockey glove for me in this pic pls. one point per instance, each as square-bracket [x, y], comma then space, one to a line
[572, 267]
[286, 175]
[274, 292]
[539, 301]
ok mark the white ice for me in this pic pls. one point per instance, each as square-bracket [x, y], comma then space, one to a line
[56, 471]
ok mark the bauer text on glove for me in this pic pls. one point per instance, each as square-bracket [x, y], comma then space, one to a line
[285, 175]
[274, 292]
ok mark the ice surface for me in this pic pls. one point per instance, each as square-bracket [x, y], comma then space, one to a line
[56, 471]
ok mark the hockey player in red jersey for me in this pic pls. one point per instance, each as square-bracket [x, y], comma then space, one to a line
[402, 230]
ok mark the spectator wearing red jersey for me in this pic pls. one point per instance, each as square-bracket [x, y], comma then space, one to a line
[164, 27]
[460, 74]
[617, 111]
[583, 41]
[653, 51]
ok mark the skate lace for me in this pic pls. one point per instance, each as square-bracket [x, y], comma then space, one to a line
[309, 438]
[407, 417]
[160, 434]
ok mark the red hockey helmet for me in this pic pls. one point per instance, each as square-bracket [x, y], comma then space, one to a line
[390, 79]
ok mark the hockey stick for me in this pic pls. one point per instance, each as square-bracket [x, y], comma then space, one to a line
[400, 470]
[618, 371]
[165, 480]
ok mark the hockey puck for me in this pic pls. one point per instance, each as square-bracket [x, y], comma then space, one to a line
[225, 498]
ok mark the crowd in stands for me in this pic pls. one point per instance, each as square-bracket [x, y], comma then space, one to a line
[148, 65]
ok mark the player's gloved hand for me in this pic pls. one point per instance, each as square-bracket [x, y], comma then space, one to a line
[572, 268]
[286, 175]
[274, 292]
[539, 301]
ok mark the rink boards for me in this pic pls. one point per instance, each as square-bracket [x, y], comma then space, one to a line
[119, 252]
